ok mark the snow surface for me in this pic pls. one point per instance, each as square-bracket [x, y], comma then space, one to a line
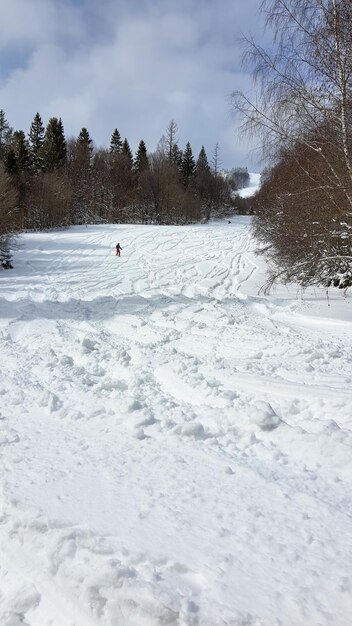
[254, 182]
[175, 449]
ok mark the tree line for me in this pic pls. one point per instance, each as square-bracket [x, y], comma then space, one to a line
[303, 114]
[48, 181]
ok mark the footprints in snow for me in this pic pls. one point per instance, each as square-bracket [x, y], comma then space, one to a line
[8, 435]
[97, 578]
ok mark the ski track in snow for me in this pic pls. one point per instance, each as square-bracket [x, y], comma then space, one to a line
[175, 449]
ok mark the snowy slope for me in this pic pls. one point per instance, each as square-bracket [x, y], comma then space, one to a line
[254, 182]
[175, 449]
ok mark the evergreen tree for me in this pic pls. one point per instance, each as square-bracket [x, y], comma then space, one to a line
[176, 156]
[84, 144]
[205, 184]
[141, 162]
[115, 143]
[36, 140]
[188, 167]
[21, 151]
[126, 151]
[53, 151]
[202, 162]
[11, 162]
[80, 168]
[5, 135]
[61, 141]
[84, 138]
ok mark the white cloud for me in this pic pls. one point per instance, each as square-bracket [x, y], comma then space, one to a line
[157, 61]
[34, 22]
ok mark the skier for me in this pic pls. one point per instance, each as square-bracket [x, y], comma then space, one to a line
[118, 250]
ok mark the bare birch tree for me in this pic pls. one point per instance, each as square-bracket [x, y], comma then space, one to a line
[304, 99]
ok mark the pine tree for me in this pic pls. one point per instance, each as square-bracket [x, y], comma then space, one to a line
[84, 144]
[61, 141]
[204, 184]
[126, 151]
[10, 162]
[188, 168]
[141, 162]
[80, 168]
[202, 162]
[176, 156]
[36, 140]
[21, 150]
[5, 135]
[53, 151]
[115, 143]
[83, 137]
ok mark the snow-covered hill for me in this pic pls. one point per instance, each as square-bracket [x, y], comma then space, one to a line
[254, 182]
[175, 449]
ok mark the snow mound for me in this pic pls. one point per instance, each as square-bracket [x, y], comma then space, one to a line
[264, 416]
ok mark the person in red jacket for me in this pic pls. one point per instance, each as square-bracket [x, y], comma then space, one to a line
[118, 250]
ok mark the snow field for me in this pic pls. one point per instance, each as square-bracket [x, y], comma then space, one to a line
[174, 449]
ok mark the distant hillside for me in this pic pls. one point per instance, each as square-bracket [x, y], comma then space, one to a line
[254, 182]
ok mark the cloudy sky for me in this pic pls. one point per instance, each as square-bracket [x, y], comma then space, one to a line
[130, 64]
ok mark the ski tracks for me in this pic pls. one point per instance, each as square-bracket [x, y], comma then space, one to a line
[166, 436]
